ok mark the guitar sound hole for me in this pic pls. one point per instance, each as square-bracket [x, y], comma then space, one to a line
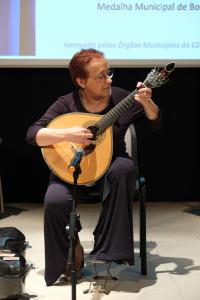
[94, 131]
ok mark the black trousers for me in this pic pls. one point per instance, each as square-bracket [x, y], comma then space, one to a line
[113, 234]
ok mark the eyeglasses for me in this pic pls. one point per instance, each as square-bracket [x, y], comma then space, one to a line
[103, 76]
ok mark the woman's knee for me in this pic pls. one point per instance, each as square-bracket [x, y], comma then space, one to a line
[56, 198]
[123, 167]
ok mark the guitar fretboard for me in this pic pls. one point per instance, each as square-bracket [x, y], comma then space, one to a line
[114, 114]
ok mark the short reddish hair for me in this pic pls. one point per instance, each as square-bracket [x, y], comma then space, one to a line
[80, 60]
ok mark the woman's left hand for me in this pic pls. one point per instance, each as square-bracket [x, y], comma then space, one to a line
[144, 93]
[143, 96]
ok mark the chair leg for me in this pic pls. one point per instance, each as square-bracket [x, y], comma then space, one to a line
[94, 276]
[1, 197]
[143, 251]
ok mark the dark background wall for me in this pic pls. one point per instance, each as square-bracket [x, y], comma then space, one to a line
[169, 159]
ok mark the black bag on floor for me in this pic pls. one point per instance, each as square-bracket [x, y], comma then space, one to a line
[12, 239]
[13, 266]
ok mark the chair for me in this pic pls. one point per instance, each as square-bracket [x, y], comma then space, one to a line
[131, 147]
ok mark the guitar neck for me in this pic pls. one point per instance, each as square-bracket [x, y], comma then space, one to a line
[154, 79]
[115, 113]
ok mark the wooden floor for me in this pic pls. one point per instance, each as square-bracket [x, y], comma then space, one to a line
[173, 241]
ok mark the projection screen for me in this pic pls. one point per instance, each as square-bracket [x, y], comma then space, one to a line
[46, 33]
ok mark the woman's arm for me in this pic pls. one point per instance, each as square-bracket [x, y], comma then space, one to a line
[76, 134]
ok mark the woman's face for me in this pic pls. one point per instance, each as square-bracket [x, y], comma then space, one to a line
[98, 82]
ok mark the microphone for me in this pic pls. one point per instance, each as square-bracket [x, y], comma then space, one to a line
[74, 163]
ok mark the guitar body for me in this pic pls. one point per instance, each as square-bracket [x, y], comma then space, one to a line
[93, 164]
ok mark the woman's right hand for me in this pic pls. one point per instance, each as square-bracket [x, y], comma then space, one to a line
[79, 135]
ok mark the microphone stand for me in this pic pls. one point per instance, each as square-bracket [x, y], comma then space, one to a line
[72, 231]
